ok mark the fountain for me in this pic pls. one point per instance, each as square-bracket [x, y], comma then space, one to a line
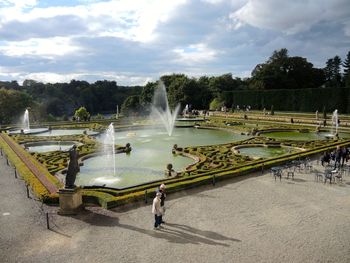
[151, 152]
[109, 146]
[25, 128]
[185, 111]
[335, 122]
[26, 125]
[161, 110]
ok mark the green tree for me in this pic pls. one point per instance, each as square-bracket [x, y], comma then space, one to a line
[147, 94]
[284, 72]
[131, 105]
[12, 105]
[346, 75]
[82, 113]
[332, 72]
[216, 104]
[205, 95]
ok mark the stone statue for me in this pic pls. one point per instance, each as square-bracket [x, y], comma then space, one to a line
[73, 167]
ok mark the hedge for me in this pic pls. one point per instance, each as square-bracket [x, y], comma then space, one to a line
[38, 189]
[305, 100]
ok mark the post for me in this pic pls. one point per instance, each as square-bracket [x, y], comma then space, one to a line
[145, 196]
[213, 180]
[27, 190]
[47, 221]
[1, 152]
[7, 161]
[262, 169]
[15, 172]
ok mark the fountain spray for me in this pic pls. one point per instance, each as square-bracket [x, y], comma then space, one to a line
[161, 110]
[109, 146]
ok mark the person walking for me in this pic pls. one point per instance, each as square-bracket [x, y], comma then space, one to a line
[338, 154]
[156, 210]
[161, 190]
[326, 158]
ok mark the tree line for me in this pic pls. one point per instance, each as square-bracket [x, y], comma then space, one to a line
[281, 71]
[49, 101]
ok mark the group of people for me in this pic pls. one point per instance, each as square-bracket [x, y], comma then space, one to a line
[158, 208]
[340, 155]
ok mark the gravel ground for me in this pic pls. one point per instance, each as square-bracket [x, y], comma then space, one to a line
[247, 219]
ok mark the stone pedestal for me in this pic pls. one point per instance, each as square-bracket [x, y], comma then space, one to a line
[71, 201]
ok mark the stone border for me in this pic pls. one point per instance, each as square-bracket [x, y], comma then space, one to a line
[51, 188]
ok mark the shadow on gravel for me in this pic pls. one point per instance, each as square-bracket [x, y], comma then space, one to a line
[204, 233]
[298, 180]
[182, 234]
[97, 219]
[173, 233]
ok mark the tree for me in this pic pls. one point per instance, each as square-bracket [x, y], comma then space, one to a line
[29, 82]
[216, 104]
[279, 55]
[332, 72]
[82, 114]
[205, 95]
[284, 72]
[12, 104]
[147, 94]
[346, 65]
[131, 105]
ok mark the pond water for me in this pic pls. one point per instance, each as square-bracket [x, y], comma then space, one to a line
[60, 132]
[265, 152]
[151, 152]
[49, 146]
[31, 131]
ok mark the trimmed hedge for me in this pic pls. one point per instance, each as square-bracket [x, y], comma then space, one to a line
[38, 189]
[292, 99]
[213, 161]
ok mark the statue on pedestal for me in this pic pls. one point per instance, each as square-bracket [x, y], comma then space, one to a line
[73, 168]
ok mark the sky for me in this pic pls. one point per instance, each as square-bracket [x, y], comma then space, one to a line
[137, 41]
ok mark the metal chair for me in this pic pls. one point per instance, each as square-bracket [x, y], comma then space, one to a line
[318, 176]
[291, 171]
[328, 176]
[338, 176]
[276, 172]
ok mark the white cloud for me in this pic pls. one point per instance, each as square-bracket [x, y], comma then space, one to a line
[132, 20]
[48, 48]
[196, 53]
[122, 78]
[51, 77]
[133, 42]
[18, 3]
[289, 16]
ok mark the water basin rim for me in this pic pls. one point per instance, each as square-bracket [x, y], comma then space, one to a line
[55, 142]
[38, 131]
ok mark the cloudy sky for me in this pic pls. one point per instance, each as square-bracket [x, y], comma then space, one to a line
[135, 41]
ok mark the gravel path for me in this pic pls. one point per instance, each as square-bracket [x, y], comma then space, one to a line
[247, 219]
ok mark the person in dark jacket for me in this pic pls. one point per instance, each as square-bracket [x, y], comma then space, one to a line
[338, 155]
[161, 190]
[326, 158]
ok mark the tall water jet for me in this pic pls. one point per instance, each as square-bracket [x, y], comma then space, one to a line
[335, 122]
[26, 125]
[161, 110]
[109, 146]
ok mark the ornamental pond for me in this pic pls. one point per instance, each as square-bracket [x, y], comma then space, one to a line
[151, 152]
